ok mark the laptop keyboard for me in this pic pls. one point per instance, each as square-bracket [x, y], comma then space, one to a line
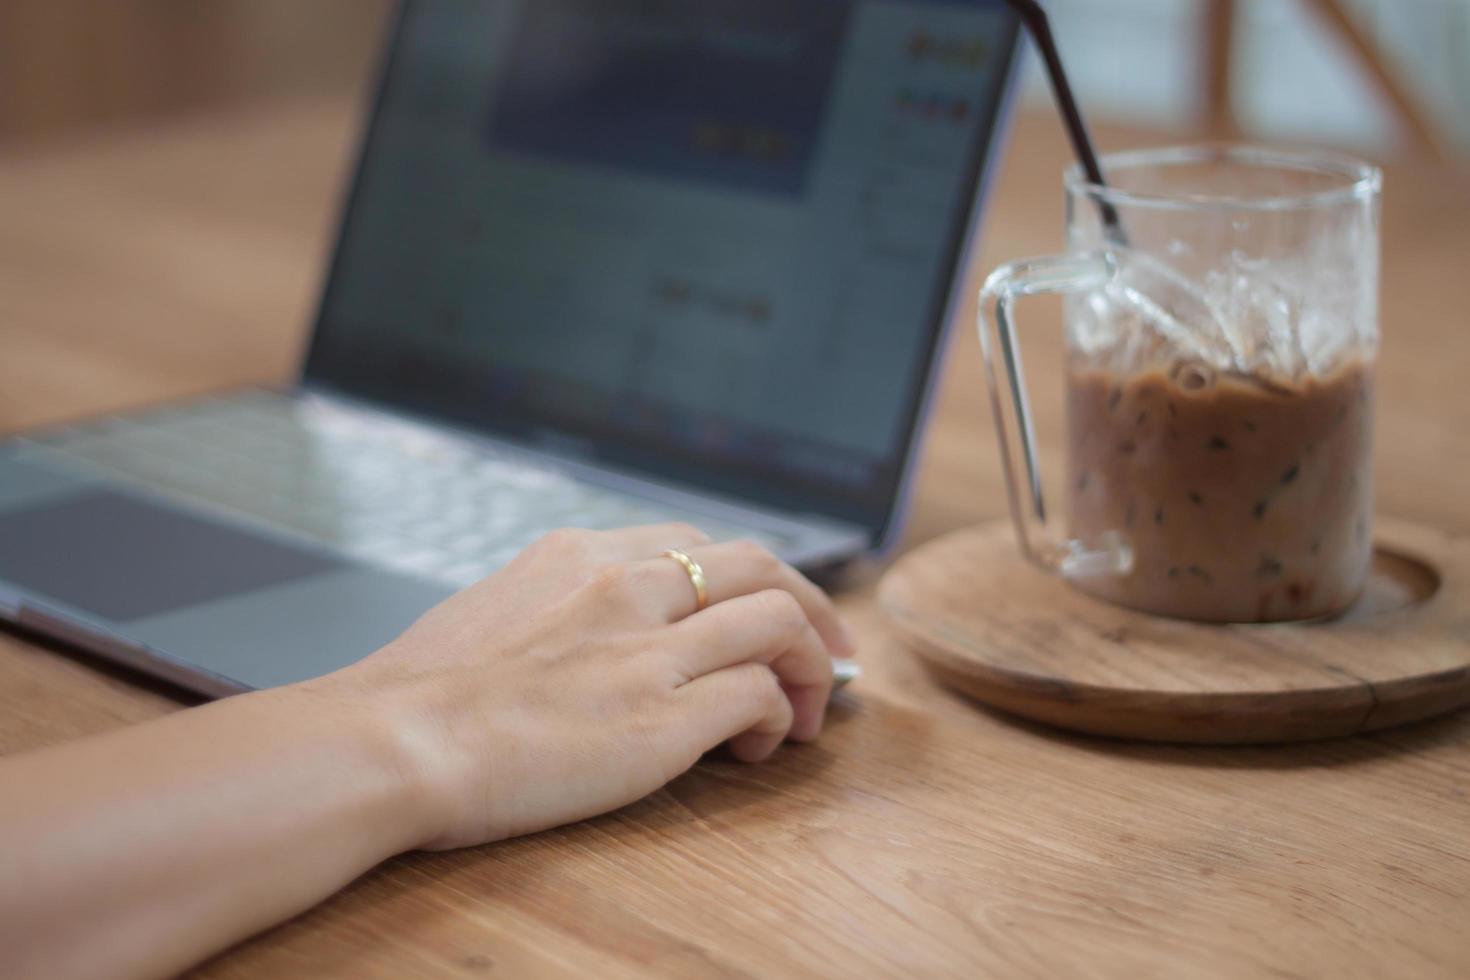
[385, 492]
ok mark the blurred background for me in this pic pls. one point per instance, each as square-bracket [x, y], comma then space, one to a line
[1382, 77]
[169, 171]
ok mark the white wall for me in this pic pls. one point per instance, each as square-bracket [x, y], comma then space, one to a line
[1139, 60]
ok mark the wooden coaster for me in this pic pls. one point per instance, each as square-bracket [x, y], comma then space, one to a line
[994, 627]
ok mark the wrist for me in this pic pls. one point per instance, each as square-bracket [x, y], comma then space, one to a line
[384, 753]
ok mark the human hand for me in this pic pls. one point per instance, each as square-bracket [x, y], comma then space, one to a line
[581, 677]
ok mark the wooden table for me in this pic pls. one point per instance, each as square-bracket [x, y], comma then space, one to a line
[923, 836]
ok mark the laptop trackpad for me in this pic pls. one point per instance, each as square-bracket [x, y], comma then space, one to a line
[123, 558]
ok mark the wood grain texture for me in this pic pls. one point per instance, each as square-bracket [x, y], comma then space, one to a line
[993, 626]
[922, 836]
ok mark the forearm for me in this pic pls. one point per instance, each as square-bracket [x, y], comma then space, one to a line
[145, 850]
[580, 678]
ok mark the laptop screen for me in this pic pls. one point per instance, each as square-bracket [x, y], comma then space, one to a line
[710, 240]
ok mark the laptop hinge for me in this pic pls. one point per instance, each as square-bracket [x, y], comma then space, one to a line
[10, 603]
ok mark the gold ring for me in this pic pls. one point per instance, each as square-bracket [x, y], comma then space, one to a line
[696, 576]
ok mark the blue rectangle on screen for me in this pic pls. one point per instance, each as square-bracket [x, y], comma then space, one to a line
[724, 91]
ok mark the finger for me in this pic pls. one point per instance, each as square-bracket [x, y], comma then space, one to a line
[743, 705]
[767, 628]
[739, 568]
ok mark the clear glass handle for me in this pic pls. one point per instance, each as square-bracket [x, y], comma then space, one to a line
[1039, 539]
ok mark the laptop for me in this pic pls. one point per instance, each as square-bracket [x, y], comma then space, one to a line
[602, 263]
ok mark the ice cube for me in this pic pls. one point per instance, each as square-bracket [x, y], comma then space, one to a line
[1250, 317]
[1148, 313]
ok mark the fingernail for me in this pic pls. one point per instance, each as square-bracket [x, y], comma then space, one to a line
[848, 638]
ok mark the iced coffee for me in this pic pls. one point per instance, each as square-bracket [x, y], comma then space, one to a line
[1221, 317]
[1244, 498]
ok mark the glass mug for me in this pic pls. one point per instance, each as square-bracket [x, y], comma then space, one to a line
[1221, 310]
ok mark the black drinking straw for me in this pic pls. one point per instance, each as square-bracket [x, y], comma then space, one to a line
[1034, 17]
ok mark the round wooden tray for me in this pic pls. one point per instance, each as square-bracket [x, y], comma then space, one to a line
[992, 626]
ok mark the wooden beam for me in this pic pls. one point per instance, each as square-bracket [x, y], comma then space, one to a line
[1405, 107]
[1217, 43]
